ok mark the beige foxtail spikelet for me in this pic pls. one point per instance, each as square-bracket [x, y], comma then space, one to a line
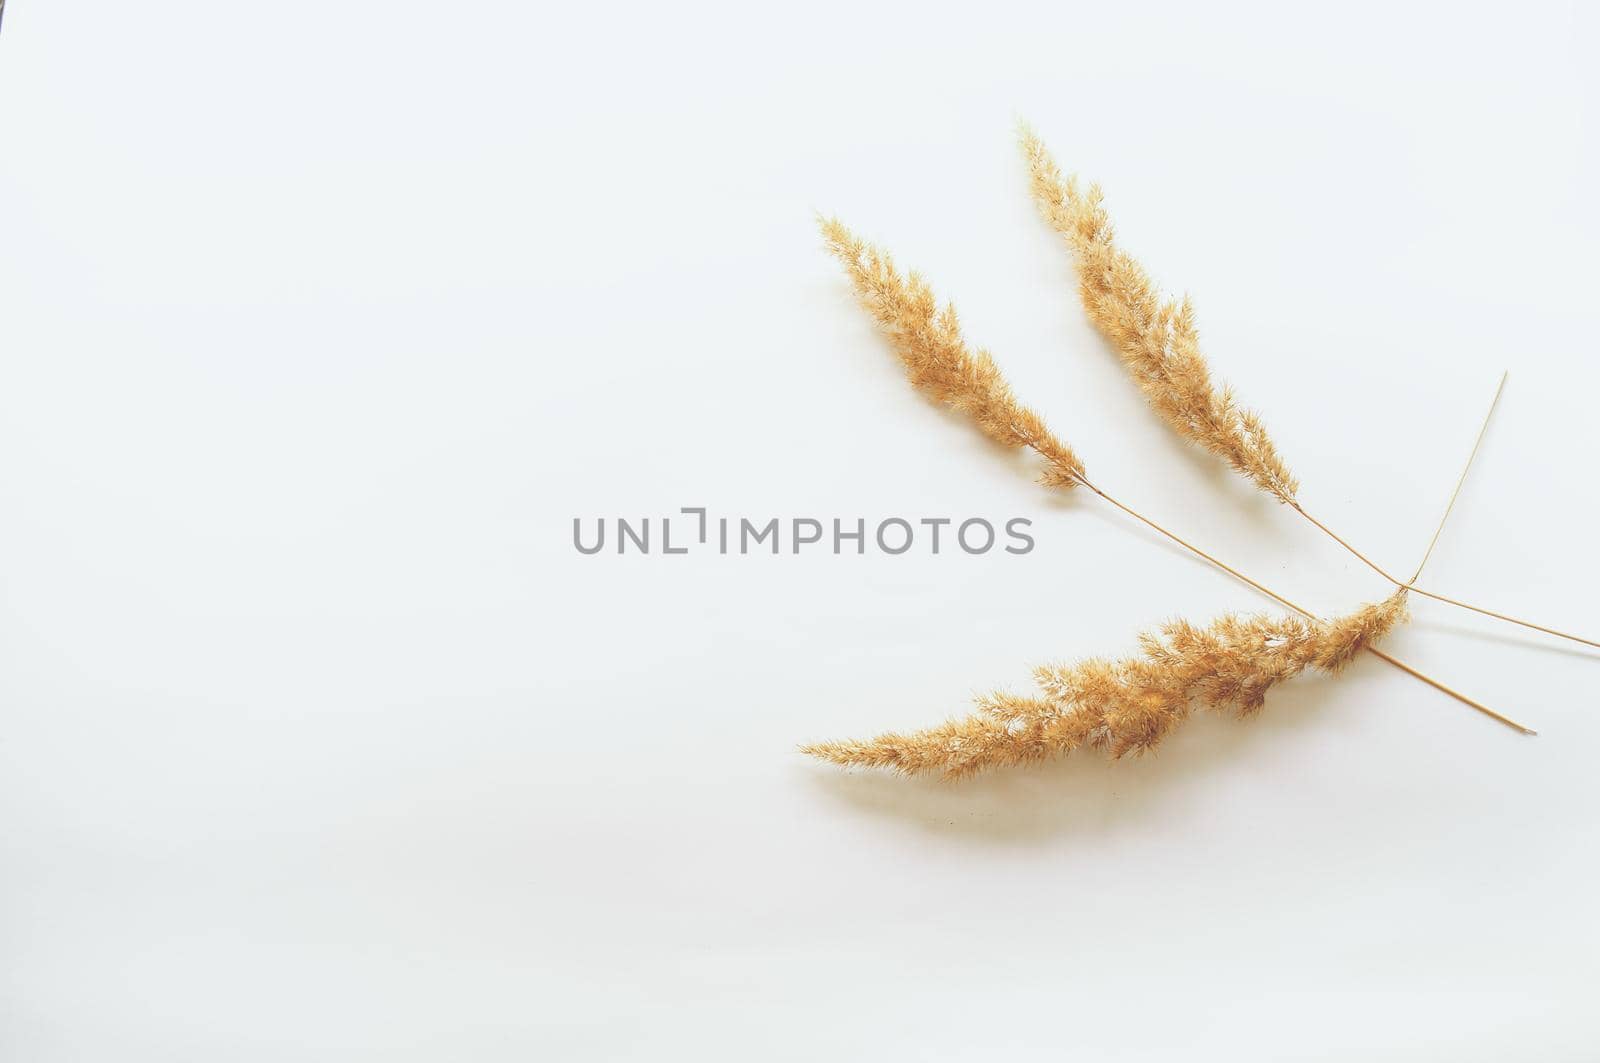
[1128, 706]
[928, 341]
[1160, 347]
[1156, 338]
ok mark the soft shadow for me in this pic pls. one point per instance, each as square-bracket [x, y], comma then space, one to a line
[1503, 634]
[1085, 793]
[1214, 472]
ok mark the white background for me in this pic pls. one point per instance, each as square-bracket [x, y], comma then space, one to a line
[319, 741]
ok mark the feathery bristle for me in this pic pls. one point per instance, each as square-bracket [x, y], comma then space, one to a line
[1156, 338]
[929, 343]
[1128, 706]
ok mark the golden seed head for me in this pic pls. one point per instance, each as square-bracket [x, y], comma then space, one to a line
[1156, 338]
[1128, 706]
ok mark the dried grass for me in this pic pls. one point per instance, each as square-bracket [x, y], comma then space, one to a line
[1125, 706]
[1130, 705]
[1156, 338]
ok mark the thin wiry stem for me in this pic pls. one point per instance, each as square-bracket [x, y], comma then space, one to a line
[1430, 594]
[1455, 493]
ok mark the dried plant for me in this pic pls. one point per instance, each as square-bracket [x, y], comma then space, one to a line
[929, 343]
[928, 340]
[1159, 344]
[1130, 705]
[1155, 338]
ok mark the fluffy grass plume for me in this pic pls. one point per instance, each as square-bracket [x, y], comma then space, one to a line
[1159, 345]
[1155, 337]
[927, 339]
[1130, 705]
